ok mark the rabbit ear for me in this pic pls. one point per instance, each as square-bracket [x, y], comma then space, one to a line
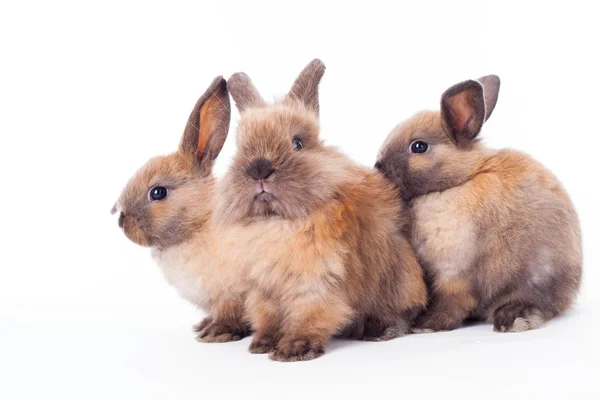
[463, 110]
[207, 126]
[491, 87]
[244, 92]
[306, 85]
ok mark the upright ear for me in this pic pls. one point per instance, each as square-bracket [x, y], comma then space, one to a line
[491, 87]
[207, 126]
[463, 111]
[467, 105]
[306, 85]
[244, 92]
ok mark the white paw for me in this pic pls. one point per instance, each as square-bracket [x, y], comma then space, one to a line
[520, 324]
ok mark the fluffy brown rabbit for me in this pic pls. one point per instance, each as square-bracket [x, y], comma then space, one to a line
[323, 241]
[168, 206]
[495, 231]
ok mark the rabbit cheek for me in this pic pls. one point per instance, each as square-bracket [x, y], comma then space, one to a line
[167, 227]
[421, 177]
[394, 167]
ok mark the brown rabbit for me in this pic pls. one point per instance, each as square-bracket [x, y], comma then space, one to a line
[168, 206]
[495, 231]
[323, 240]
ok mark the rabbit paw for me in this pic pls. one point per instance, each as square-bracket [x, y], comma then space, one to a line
[220, 331]
[199, 327]
[262, 345]
[516, 317]
[436, 322]
[296, 350]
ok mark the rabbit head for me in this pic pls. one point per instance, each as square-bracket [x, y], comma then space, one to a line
[436, 150]
[170, 197]
[281, 167]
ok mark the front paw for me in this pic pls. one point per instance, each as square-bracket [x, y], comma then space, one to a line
[436, 322]
[221, 331]
[298, 349]
[199, 327]
[262, 344]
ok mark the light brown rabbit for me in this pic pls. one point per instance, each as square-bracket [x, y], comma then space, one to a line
[168, 206]
[494, 230]
[323, 240]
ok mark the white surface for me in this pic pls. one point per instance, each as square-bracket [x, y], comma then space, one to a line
[151, 355]
[89, 92]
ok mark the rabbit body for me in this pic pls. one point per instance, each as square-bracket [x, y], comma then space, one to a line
[168, 206]
[495, 232]
[324, 242]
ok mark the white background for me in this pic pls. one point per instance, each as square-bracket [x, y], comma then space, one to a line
[89, 92]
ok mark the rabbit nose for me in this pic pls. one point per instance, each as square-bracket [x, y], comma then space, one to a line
[381, 168]
[121, 218]
[260, 169]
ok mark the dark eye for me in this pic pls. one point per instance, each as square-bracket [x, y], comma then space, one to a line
[297, 144]
[157, 193]
[419, 147]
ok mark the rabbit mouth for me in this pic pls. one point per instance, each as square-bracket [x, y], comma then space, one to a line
[263, 192]
[264, 197]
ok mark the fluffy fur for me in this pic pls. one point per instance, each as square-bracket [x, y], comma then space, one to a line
[179, 228]
[323, 241]
[495, 231]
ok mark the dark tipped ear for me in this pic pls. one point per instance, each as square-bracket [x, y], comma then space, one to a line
[244, 92]
[463, 110]
[306, 85]
[207, 126]
[491, 87]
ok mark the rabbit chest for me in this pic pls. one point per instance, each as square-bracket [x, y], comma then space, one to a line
[182, 267]
[285, 256]
[444, 232]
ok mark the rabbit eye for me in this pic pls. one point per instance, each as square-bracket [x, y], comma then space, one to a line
[297, 144]
[419, 147]
[157, 193]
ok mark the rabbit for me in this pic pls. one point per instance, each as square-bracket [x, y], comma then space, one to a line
[324, 242]
[168, 206]
[494, 230]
